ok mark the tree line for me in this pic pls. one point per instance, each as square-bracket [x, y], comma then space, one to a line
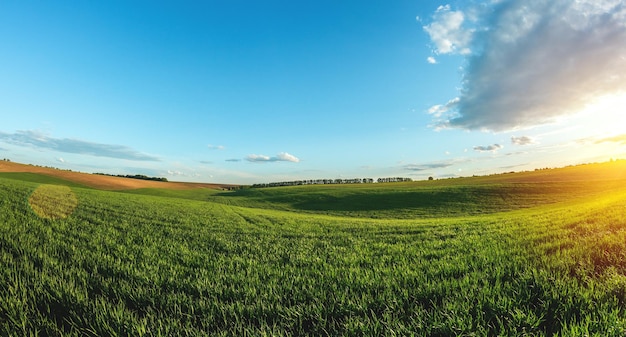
[331, 181]
[133, 176]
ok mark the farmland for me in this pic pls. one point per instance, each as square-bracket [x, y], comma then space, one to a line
[536, 253]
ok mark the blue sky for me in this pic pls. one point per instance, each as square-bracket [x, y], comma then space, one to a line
[251, 91]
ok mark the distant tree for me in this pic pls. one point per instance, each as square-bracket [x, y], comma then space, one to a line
[431, 178]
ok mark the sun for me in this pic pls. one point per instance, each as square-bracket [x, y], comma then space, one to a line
[601, 128]
[606, 115]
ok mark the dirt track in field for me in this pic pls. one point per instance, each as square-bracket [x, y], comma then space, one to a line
[101, 181]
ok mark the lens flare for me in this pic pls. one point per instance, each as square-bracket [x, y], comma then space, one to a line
[53, 201]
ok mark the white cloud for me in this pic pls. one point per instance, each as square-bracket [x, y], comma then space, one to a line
[523, 140]
[448, 32]
[178, 173]
[431, 60]
[533, 61]
[61, 160]
[439, 110]
[488, 148]
[258, 158]
[216, 147]
[283, 156]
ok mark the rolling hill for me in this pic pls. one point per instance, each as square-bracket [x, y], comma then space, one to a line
[537, 253]
[101, 181]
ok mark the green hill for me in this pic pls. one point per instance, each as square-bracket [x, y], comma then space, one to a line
[441, 198]
[536, 253]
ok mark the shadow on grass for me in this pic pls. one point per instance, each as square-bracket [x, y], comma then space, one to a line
[419, 202]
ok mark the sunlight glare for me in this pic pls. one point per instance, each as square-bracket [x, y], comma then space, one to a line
[606, 115]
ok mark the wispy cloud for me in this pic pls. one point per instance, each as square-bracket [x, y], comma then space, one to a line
[434, 165]
[620, 139]
[431, 60]
[509, 167]
[440, 110]
[532, 62]
[488, 148]
[283, 156]
[617, 139]
[523, 140]
[178, 173]
[233, 160]
[42, 141]
[516, 153]
[216, 147]
[427, 166]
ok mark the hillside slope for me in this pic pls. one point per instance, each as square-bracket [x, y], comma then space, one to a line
[118, 264]
[439, 198]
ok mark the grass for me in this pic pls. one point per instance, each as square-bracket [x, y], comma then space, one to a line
[414, 200]
[200, 194]
[549, 259]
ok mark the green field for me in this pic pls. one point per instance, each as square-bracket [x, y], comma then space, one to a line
[524, 254]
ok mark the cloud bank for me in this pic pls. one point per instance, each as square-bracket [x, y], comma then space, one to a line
[531, 62]
[283, 156]
[43, 141]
